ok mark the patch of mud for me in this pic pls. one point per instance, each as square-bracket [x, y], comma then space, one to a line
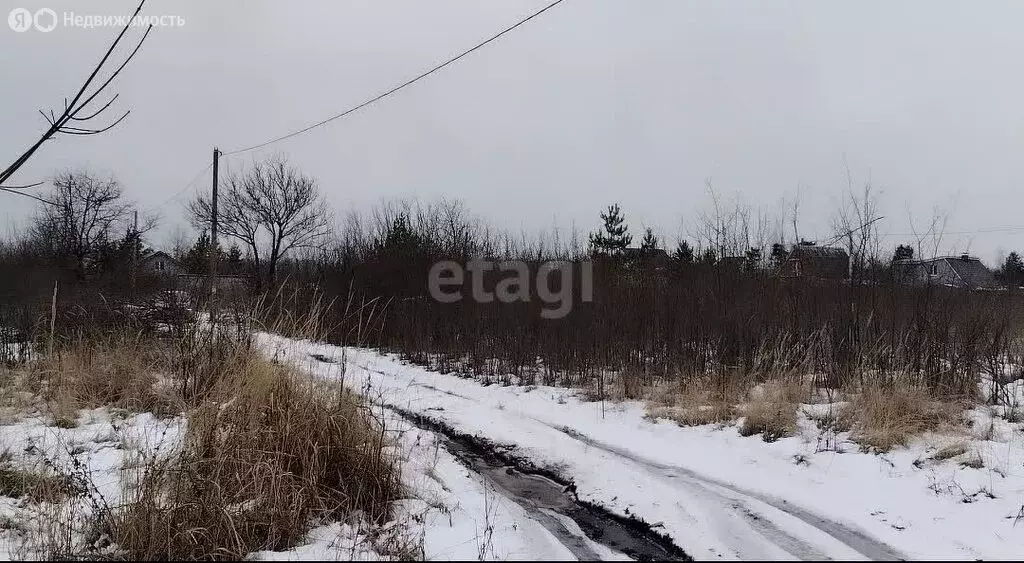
[545, 494]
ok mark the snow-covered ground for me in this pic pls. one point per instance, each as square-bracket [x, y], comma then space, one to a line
[101, 453]
[717, 494]
[452, 513]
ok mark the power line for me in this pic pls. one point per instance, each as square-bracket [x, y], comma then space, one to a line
[928, 233]
[188, 186]
[974, 232]
[400, 86]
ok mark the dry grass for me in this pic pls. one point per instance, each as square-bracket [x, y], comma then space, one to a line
[883, 418]
[693, 403]
[124, 371]
[35, 485]
[771, 410]
[267, 454]
[878, 418]
[950, 451]
[973, 461]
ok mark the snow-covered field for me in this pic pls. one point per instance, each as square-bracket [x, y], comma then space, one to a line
[714, 493]
[102, 452]
[717, 494]
[453, 513]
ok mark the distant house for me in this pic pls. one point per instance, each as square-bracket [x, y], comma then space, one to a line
[159, 263]
[954, 271]
[818, 262]
[656, 257]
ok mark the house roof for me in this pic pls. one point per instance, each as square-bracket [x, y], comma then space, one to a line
[813, 251]
[969, 269]
[158, 254]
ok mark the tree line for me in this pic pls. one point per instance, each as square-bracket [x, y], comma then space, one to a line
[712, 307]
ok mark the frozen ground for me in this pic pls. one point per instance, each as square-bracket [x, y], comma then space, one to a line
[717, 494]
[452, 513]
[102, 453]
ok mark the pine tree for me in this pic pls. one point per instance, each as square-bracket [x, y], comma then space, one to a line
[683, 256]
[903, 252]
[753, 259]
[779, 254]
[198, 258]
[615, 237]
[234, 261]
[400, 240]
[1013, 269]
[649, 243]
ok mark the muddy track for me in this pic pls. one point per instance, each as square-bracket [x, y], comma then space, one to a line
[740, 498]
[547, 495]
[740, 512]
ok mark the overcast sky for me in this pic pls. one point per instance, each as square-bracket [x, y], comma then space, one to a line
[594, 102]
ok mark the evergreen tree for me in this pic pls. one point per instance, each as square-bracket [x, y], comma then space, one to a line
[752, 259]
[1013, 270]
[683, 256]
[615, 237]
[708, 257]
[401, 240]
[903, 252]
[234, 260]
[649, 243]
[779, 254]
[198, 258]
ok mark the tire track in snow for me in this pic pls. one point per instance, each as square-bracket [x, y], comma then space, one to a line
[588, 531]
[733, 508]
[740, 498]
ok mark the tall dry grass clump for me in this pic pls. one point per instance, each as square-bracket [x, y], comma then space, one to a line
[883, 417]
[122, 369]
[772, 410]
[693, 401]
[268, 453]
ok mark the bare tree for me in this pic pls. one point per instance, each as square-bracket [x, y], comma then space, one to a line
[87, 213]
[795, 210]
[727, 230]
[79, 114]
[272, 209]
[854, 225]
[929, 241]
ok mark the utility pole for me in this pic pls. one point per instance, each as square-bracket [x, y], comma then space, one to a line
[135, 252]
[214, 250]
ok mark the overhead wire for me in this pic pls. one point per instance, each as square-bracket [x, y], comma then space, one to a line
[395, 89]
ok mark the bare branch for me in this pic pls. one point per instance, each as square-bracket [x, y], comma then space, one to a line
[58, 123]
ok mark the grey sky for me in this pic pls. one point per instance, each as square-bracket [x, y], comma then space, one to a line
[596, 101]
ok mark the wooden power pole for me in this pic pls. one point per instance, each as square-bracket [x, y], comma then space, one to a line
[135, 253]
[214, 249]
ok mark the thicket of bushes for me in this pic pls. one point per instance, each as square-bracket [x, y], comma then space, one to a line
[267, 453]
[653, 321]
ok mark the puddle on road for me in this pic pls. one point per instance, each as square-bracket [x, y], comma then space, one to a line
[542, 494]
[546, 497]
